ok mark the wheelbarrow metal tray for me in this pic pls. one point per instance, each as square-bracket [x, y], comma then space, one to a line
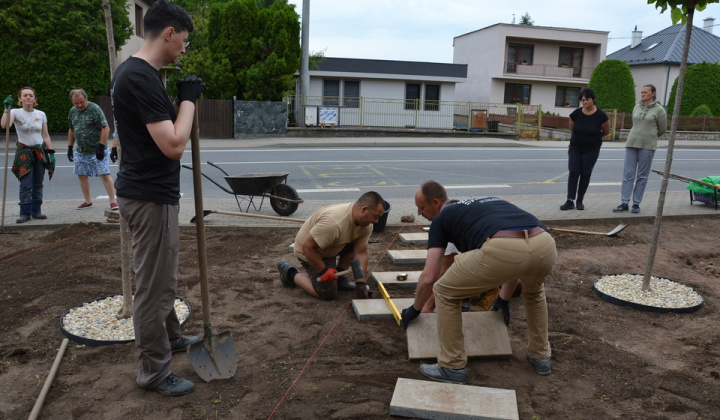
[255, 184]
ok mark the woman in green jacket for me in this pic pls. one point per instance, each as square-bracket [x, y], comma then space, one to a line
[649, 123]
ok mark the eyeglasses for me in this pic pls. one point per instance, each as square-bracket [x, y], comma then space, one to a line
[185, 44]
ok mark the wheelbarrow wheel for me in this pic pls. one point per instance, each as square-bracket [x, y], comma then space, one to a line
[284, 207]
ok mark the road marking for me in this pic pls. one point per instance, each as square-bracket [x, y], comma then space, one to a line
[461, 187]
[605, 183]
[329, 190]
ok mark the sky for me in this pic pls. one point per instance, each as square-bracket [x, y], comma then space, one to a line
[423, 30]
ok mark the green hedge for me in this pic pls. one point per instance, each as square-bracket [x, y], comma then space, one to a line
[55, 46]
[702, 84]
[613, 85]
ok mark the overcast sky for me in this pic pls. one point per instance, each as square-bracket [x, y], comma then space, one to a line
[423, 30]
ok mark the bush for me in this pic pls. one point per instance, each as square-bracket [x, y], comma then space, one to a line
[701, 111]
[55, 46]
[702, 84]
[613, 85]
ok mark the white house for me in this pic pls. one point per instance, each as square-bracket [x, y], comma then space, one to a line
[362, 90]
[534, 65]
[656, 59]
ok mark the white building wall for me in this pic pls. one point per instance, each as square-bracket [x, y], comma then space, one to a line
[484, 57]
[661, 75]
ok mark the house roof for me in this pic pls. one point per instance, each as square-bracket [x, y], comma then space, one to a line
[414, 68]
[666, 46]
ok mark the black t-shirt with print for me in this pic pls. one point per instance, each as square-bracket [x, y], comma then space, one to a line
[469, 223]
[138, 98]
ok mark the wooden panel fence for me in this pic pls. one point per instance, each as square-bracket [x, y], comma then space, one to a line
[215, 115]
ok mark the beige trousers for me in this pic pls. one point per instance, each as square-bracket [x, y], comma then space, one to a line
[499, 261]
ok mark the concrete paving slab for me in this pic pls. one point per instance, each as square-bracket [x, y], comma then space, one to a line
[435, 400]
[408, 256]
[485, 336]
[414, 238]
[371, 309]
[389, 278]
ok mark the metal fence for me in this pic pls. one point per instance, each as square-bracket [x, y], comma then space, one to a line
[399, 113]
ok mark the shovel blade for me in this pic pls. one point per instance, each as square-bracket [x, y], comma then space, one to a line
[617, 229]
[214, 357]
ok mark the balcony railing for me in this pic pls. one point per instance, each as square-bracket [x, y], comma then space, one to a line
[547, 70]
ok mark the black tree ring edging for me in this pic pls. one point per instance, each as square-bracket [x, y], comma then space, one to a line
[666, 295]
[94, 323]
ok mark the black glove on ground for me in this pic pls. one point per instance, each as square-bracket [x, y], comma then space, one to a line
[503, 305]
[70, 154]
[113, 154]
[100, 151]
[362, 291]
[408, 314]
[189, 88]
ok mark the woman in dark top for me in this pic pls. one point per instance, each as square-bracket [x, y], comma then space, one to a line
[588, 125]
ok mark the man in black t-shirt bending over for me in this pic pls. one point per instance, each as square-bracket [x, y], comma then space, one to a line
[499, 243]
[154, 132]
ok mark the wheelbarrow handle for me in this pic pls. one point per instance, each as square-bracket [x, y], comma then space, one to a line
[221, 169]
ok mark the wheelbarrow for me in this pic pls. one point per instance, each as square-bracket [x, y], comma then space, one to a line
[283, 198]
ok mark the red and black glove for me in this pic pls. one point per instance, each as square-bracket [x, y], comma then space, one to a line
[328, 275]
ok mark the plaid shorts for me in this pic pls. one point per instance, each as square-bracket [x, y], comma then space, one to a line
[89, 165]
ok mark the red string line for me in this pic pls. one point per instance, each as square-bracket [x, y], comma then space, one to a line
[297, 378]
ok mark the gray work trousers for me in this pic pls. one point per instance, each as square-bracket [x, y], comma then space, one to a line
[635, 174]
[155, 243]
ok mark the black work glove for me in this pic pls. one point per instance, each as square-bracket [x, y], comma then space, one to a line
[189, 88]
[70, 154]
[362, 291]
[408, 314]
[113, 154]
[100, 151]
[502, 305]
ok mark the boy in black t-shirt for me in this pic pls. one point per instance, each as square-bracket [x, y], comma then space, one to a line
[154, 133]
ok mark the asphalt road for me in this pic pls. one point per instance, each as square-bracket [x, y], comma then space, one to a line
[339, 174]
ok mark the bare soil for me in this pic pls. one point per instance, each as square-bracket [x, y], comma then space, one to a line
[302, 358]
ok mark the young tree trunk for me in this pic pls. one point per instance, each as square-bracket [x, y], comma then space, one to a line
[671, 145]
[125, 237]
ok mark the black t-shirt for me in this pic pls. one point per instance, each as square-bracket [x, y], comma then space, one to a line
[469, 223]
[587, 129]
[138, 98]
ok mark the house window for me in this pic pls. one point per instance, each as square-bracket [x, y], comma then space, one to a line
[571, 57]
[519, 54]
[567, 96]
[331, 92]
[412, 95]
[351, 93]
[138, 20]
[516, 93]
[432, 97]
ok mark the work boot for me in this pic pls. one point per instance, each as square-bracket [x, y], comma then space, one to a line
[284, 268]
[443, 374]
[569, 205]
[580, 205]
[22, 219]
[542, 367]
[173, 385]
[345, 285]
[183, 343]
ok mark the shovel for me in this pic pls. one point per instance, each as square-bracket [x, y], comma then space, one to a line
[613, 232]
[7, 152]
[214, 357]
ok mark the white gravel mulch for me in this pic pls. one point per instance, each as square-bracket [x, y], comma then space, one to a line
[663, 293]
[97, 320]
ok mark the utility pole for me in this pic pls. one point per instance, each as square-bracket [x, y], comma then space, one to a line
[305, 53]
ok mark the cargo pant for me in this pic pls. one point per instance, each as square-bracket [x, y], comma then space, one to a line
[497, 262]
[155, 243]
